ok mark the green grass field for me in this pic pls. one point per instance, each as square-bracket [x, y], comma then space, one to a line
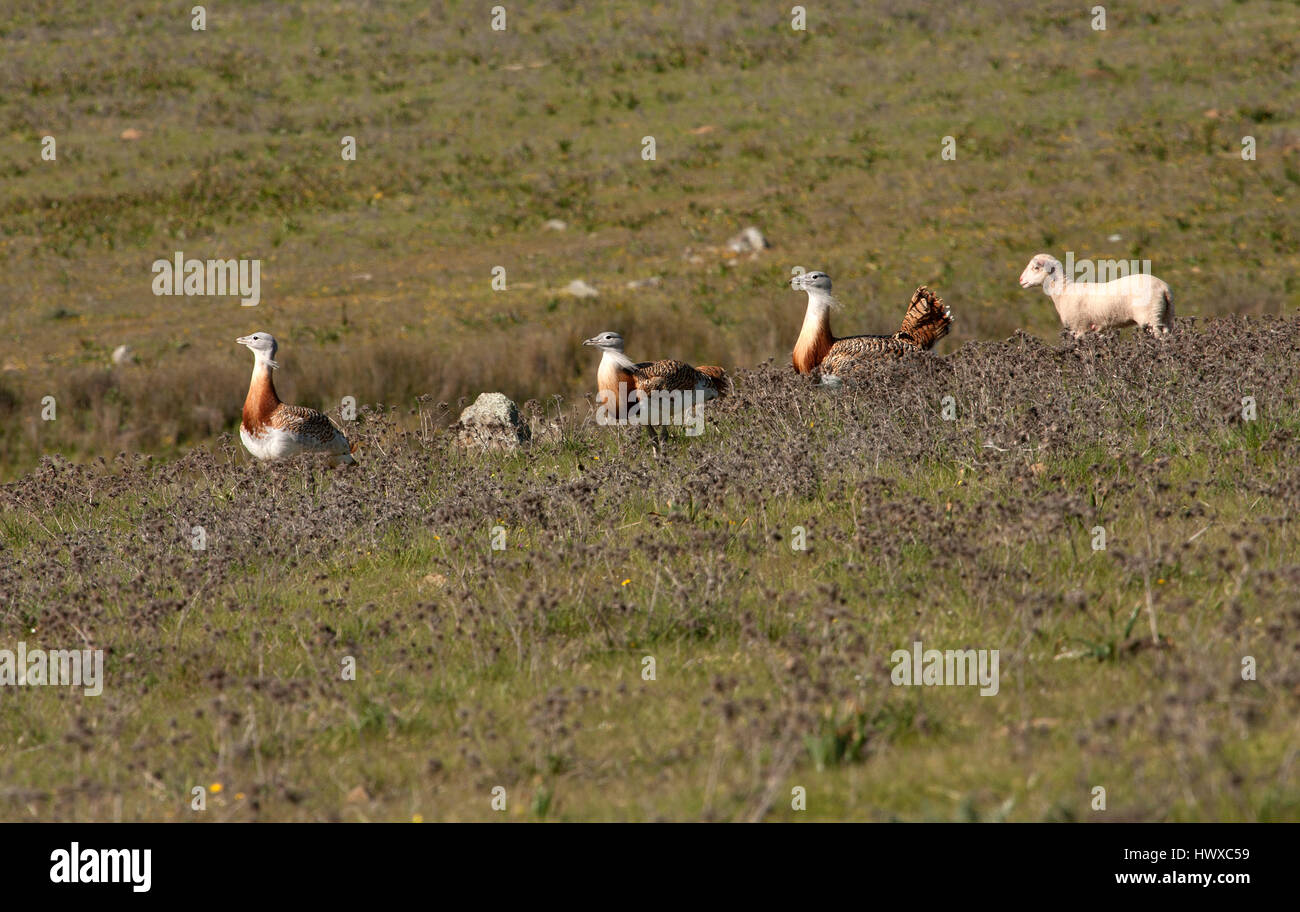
[522, 668]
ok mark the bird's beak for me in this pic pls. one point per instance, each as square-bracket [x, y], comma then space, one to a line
[244, 340]
[590, 342]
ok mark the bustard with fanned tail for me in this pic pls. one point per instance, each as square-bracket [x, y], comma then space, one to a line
[927, 321]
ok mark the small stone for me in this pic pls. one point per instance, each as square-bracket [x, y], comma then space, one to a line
[122, 355]
[580, 289]
[750, 240]
[492, 423]
[555, 225]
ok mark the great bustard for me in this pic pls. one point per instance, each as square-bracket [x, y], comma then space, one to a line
[620, 381]
[272, 430]
[926, 322]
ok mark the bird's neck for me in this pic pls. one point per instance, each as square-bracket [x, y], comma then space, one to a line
[815, 338]
[616, 360]
[262, 399]
[615, 370]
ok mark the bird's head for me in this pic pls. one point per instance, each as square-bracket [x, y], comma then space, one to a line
[263, 347]
[606, 341]
[810, 281]
[818, 286]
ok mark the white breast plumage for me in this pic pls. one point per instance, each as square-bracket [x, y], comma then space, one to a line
[272, 443]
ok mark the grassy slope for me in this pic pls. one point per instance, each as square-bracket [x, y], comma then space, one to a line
[829, 140]
[523, 669]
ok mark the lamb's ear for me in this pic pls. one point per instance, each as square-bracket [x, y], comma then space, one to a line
[1050, 267]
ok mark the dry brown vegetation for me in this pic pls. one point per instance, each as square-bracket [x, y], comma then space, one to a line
[521, 668]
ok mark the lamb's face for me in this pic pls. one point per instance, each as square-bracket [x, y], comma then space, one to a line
[1040, 268]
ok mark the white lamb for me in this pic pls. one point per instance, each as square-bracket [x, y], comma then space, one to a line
[1093, 306]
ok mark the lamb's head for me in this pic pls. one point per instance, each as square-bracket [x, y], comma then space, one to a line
[1042, 268]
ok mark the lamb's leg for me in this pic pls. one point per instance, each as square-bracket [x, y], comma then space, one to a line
[1166, 319]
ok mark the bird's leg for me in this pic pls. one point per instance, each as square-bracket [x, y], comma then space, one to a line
[655, 444]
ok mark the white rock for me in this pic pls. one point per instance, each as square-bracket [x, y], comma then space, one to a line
[492, 423]
[122, 355]
[580, 289]
[748, 241]
[555, 225]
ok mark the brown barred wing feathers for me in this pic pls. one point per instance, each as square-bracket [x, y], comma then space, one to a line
[927, 320]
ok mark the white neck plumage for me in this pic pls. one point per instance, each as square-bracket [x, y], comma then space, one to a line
[262, 361]
[617, 359]
[816, 318]
[820, 301]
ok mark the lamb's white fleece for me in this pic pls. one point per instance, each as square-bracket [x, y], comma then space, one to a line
[1093, 306]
